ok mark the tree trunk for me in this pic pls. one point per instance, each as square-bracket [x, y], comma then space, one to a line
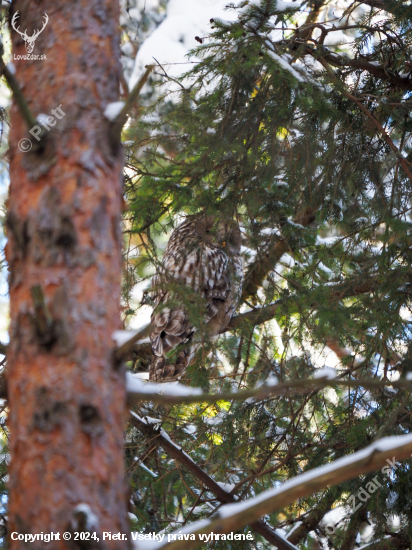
[66, 392]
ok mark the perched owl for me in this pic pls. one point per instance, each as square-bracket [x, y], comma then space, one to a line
[203, 253]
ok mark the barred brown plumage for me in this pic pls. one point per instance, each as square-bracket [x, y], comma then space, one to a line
[203, 254]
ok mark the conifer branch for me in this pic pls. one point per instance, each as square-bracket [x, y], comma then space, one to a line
[259, 270]
[135, 337]
[256, 316]
[267, 260]
[233, 517]
[312, 520]
[289, 387]
[163, 440]
[375, 122]
[398, 541]
[377, 71]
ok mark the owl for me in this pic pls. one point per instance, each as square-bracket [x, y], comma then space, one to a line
[203, 259]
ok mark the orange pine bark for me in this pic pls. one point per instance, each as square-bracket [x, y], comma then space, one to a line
[66, 392]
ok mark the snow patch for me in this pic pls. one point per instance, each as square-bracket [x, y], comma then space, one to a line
[135, 384]
[112, 110]
[326, 372]
[228, 487]
[92, 521]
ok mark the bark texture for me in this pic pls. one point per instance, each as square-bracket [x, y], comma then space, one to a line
[66, 391]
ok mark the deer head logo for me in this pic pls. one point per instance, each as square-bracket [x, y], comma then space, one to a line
[28, 40]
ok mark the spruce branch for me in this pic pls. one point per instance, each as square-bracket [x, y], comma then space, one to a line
[378, 71]
[391, 541]
[404, 163]
[257, 316]
[176, 452]
[233, 517]
[289, 387]
[259, 270]
[312, 520]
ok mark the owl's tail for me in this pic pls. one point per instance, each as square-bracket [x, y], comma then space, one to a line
[162, 371]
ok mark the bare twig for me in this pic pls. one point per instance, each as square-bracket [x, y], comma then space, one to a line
[121, 118]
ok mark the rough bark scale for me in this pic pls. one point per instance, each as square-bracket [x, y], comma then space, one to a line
[66, 392]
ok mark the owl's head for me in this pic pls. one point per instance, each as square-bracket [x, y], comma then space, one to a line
[220, 232]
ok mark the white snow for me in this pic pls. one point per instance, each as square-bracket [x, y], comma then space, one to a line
[337, 37]
[134, 384]
[326, 372]
[112, 110]
[11, 67]
[274, 431]
[190, 429]
[142, 375]
[409, 376]
[42, 118]
[175, 36]
[151, 420]
[153, 545]
[228, 487]
[382, 445]
[386, 444]
[147, 469]
[122, 336]
[281, 5]
[272, 380]
[282, 62]
[296, 526]
[92, 521]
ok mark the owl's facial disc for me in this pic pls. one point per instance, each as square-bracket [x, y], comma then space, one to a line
[218, 232]
[228, 236]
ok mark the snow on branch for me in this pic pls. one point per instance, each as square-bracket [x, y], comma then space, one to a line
[233, 517]
[220, 490]
[126, 339]
[173, 392]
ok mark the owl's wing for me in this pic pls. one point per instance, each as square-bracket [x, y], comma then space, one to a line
[205, 271]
